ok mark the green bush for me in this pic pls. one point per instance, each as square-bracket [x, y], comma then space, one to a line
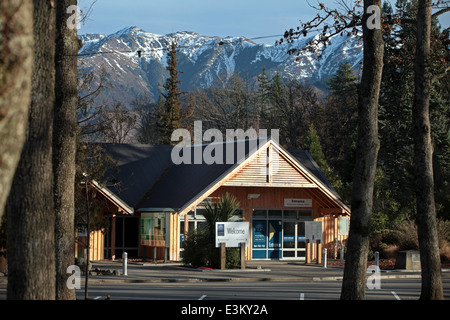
[196, 249]
[199, 247]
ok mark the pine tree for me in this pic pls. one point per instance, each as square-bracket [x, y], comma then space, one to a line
[263, 99]
[170, 118]
[343, 84]
[337, 122]
[313, 146]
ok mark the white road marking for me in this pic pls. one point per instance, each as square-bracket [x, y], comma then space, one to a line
[302, 296]
[202, 297]
[395, 295]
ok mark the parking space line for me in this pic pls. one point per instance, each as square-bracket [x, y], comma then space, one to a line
[202, 297]
[395, 295]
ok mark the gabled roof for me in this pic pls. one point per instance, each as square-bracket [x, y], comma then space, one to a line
[148, 179]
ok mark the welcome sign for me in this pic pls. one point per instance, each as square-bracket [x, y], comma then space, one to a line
[232, 234]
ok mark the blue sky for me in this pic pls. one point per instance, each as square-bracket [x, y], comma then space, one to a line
[249, 18]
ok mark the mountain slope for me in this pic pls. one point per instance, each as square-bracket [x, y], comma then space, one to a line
[202, 60]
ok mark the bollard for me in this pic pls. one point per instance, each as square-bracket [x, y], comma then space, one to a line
[342, 253]
[324, 259]
[377, 258]
[125, 262]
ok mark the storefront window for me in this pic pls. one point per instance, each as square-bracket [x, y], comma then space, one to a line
[275, 214]
[290, 214]
[259, 214]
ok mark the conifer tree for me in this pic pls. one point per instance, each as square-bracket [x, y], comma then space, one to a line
[263, 99]
[170, 117]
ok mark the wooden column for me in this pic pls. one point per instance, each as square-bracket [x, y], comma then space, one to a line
[318, 252]
[307, 251]
[113, 237]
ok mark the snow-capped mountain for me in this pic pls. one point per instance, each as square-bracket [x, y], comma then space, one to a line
[202, 60]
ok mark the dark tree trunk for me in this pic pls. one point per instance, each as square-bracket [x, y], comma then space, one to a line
[423, 160]
[31, 221]
[354, 282]
[16, 63]
[64, 146]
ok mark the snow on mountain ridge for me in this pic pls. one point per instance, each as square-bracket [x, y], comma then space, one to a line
[203, 59]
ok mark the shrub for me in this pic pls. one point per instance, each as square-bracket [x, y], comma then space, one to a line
[404, 237]
[196, 252]
[199, 247]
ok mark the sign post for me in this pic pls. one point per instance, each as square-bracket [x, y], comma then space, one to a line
[223, 255]
[313, 234]
[242, 255]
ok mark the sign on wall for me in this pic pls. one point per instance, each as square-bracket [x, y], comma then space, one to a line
[259, 234]
[301, 203]
[155, 229]
[343, 226]
[313, 231]
[232, 233]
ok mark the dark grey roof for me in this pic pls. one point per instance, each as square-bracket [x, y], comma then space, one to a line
[149, 179]
[308, 162]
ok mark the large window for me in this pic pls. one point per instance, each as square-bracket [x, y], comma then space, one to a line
[279, 233]
[126, 236]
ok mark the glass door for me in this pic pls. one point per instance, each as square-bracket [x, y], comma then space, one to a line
[293, 240]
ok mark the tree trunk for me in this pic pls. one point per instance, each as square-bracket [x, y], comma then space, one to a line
[354, 282]
[64, 146]
[16, 63]
[31, 223]
[423, 154]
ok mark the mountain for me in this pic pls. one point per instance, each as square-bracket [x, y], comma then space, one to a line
[203, 60]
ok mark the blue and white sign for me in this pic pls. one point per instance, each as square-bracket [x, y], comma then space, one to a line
[232, 233]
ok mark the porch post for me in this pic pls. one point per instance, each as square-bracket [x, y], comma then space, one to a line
[113, 237]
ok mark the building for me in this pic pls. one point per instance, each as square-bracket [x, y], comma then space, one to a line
[155, 201]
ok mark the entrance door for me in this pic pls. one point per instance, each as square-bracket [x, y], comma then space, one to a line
[293, 240]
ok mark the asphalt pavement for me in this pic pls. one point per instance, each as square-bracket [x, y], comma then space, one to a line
[138, 272]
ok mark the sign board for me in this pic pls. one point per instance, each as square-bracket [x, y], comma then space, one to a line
[343, 226]
[313, 231]
[155, 228]
[232, 233]
[301, 203]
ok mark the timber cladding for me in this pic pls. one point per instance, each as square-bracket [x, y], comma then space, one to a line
[269, 177]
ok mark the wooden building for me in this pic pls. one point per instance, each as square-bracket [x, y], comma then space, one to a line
[154, 201]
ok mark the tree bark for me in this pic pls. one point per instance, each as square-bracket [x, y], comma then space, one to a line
[64, 146]
[354, 282]
[423, 160]
[16, 63]
[31, 223]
